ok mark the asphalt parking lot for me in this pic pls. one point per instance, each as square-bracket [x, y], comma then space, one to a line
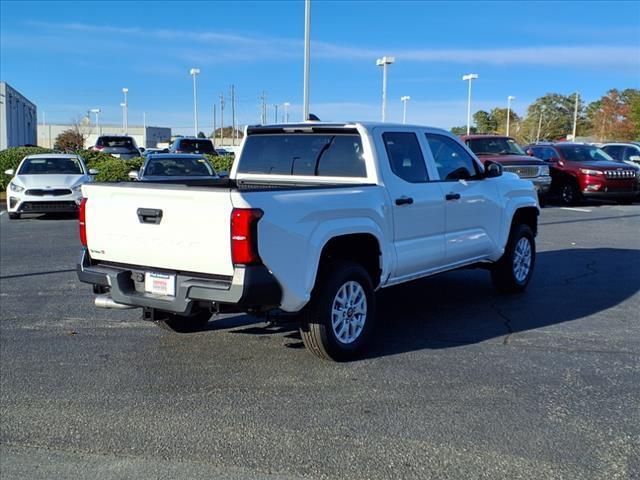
[461, 383]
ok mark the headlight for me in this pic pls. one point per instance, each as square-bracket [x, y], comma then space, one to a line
[77, 189]
[16, 188]
[588, 171]
[544, 170]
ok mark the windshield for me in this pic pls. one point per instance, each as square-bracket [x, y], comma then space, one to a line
[584, 153]
[51, 166]
[116, 142]
[495, 146]
[302, 154]
[197, 146]
[178, 167]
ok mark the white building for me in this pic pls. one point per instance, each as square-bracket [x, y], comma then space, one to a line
[147, 137]
[18, 118]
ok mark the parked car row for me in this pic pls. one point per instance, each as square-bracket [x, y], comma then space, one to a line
[125, 148]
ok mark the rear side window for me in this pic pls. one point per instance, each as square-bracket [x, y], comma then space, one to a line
[405, 156]
[303, 154]
[452, 161]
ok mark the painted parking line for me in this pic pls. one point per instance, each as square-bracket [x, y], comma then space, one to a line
[575, 209]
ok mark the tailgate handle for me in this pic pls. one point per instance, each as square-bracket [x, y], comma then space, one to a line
[150, 215]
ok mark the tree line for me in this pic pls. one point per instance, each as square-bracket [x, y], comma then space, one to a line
[613, 117]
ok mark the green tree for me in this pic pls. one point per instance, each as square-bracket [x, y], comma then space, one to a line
[201, 135]
[462, 130]
[550, 117]
[612, 116]
[499, 119]
[70, 140]
[484, 122]
[631, 97]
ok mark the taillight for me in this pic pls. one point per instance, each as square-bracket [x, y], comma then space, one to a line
[244, 236]
[82, 222]
[98, 147]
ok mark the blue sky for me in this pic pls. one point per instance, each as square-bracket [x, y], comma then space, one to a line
[71, 56]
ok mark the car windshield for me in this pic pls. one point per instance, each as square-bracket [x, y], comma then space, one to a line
[115, 142]
[198, 146]
[178, 167]
[495, 146]
[51, 166]
[584, 153]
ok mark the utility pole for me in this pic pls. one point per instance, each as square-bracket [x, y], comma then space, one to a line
[539, 127]
[233, 114]
[221, 118]
[275, 105]
[263, 116]
[213, 134]
[307, 59]
[144, 129]
[575, 118]
[509, 98]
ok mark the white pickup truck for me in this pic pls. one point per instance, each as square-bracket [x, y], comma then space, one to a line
[313, 219]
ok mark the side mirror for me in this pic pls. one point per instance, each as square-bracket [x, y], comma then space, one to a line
[223, 174]
[93, 171]
[133, 175]
[529, 152]
[10, 172]
[492, 170]
[142, 149]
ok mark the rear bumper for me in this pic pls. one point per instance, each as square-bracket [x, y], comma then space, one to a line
[250, 287]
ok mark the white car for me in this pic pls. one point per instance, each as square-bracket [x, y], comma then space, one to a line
[314, 218]
[47, 183]
[623, 152]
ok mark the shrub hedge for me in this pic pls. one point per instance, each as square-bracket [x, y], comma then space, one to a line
[221, 163]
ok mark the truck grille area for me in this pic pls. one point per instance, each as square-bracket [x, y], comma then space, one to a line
[56, 192]
[620, 173]
[522, 171]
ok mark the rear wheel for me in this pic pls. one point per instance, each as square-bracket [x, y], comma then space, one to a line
[14, 216]
[570, 193]
[185, 323]
[513, 271]
[340, 317]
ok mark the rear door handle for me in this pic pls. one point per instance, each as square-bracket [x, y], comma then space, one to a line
[149, 215]
[404, 201]
[452, 196]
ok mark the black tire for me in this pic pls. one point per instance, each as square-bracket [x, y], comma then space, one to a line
[316, 329]
[14, 216]
[542, 200]
[570, 193]
[195, 322]
[504, 273]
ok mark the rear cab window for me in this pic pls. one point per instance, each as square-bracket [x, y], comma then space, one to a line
[302, 154]
[116, 142]
[196, 146]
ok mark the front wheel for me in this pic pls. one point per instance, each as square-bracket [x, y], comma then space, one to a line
[340, 317]
[14, 216]
[570, 193]
[185, 323]
[513, 271]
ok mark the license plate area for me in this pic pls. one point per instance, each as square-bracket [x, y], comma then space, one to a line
[162, 284]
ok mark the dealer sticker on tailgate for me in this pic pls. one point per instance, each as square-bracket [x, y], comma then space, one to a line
[160, 284]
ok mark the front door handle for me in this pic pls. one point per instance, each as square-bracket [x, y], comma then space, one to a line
[452, 196]
[404, 201]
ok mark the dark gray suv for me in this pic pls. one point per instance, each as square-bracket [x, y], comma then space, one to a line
[119, 146]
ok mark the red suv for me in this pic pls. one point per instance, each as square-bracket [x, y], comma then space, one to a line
[579, 171]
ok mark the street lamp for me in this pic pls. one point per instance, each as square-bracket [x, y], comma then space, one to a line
[193, 72]
[126, 111]
[469, 77]
[97, 112]
[286, 111]
[124, 106]
[509, 98]
[383, 62]
[404, 99]
[575, 118]
[307, 61]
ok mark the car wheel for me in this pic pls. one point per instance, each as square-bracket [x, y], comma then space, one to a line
[185, 323]
[542, 200]
[14, 216]
[570, 193]
[513, 271]
[340, 318]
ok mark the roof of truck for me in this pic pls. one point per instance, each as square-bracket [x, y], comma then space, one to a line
[330, 125]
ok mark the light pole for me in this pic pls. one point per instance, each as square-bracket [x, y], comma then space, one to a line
[126, 111]
[286, 112]
[539, 126]
[144, 129]
[275, 116]
[193, 72]
[509, 99]
[470, 77]
[97, 112]
[383, 62]
[307, 60]
[123, 105]
[575, 118]
[404, 99]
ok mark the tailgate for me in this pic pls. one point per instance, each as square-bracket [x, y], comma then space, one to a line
[160, 226]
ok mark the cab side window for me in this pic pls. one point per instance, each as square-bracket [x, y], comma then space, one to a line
[452, 161]
[405, 156]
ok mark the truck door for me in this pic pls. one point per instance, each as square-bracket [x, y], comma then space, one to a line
[416, 203]
[473, 211]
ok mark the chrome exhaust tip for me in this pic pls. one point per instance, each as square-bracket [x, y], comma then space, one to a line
[105, 301]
